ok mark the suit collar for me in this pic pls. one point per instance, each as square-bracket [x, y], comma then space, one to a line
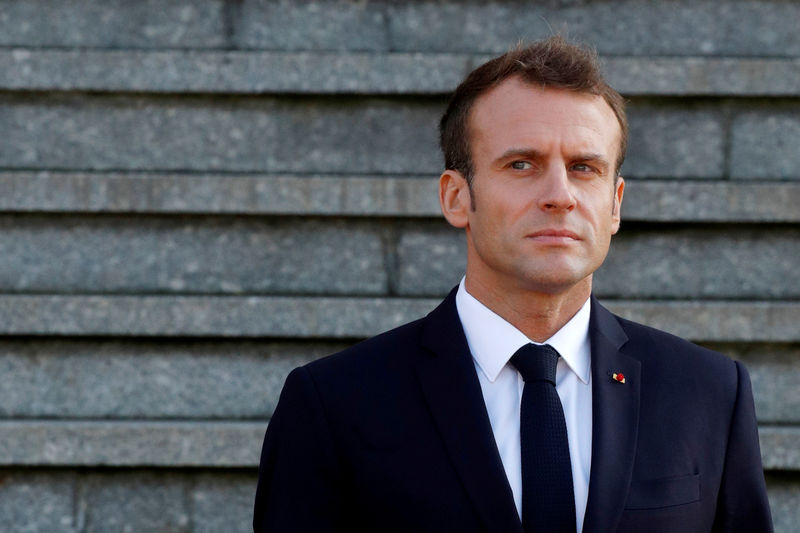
[615, 420]
[451, 388]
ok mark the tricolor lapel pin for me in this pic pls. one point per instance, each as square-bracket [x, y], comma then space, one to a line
[618, 376]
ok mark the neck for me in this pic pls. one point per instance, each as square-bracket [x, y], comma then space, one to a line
[539, 315]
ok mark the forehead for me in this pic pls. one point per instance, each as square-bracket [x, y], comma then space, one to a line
[516, 114]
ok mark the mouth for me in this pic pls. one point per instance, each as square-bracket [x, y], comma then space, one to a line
[554, 236]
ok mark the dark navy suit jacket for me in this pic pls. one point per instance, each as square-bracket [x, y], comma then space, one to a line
[392, 434]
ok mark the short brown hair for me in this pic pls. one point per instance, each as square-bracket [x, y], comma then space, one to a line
[553, 62]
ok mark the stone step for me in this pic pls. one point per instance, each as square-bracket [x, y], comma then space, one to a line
[712, 139]
[128, 254]
[684, 27]
[347, 318]
[260, 72]
[212, 444]
[128, 379]
[355, 196]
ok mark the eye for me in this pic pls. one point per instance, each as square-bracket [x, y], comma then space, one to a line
[582, 167]
[521, 165]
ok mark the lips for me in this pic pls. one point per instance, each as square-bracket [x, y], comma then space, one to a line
[561, 235]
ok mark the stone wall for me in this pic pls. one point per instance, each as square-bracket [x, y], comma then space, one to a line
[197, 196]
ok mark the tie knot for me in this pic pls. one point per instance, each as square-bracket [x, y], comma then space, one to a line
[536, 362]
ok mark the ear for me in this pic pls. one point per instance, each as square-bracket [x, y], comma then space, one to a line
[619, 189]
[454, 198]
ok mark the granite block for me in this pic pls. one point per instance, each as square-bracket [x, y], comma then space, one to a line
[774, 374]
[303, 135]
[38, 502]
[189, 255]
[129, 503]
[674, 142]
[130, 444]
[766, 145]
[615, 28]
[223, 502]
[113, 23]
[784, 501]
[147, 380]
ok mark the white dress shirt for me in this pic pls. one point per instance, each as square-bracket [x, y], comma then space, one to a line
[492, 341]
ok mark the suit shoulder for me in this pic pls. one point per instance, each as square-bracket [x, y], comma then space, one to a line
[676, 350]
[381, 350]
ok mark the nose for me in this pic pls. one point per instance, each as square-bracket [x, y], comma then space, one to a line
[555, 193]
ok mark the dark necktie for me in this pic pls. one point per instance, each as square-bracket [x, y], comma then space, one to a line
[548, 499]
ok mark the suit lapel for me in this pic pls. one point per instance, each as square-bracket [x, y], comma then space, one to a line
[451, 388]
[615, 419]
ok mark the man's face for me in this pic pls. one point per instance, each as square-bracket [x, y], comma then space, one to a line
[545, 198]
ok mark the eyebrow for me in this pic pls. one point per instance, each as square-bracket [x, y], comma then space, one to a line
[530, 153]
[527, 153]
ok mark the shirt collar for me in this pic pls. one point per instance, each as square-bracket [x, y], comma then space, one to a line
[492, 340]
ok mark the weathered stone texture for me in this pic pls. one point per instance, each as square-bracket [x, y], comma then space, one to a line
[189, 255]
[130, 503]
[774, 374]
[683, 263]
[130, 444]
[275, 135]
[147, 379]
[674, 142]
[37, 502]
[615, 28]
[311, 26]
[223, 502]
[113, 23]
[766, 145]
[784, 500]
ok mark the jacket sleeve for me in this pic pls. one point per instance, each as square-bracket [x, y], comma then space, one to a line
[298, 487]
[743, 505]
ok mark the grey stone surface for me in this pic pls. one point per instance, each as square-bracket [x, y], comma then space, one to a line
[310, 25]
[702, 264]
[315, 317]
[431, 259]
[674, 142]
[381, 196]
[774, 374]
[784, 500]
[716, 321]
[710, 201]
[223, 502]
[615, 28]
[221, 193]
[190, 255]
[703, 76]
[673, 264]
[255, 72]
[242, 72]
[130, 503]
[209, 316]
[113, 23]
[766, 144]
[129, 444]
[146, 379]
[34, 502]
[780, 447]
[234, 134]
[683, 28]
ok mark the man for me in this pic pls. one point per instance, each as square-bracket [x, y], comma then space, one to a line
[520, 403]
